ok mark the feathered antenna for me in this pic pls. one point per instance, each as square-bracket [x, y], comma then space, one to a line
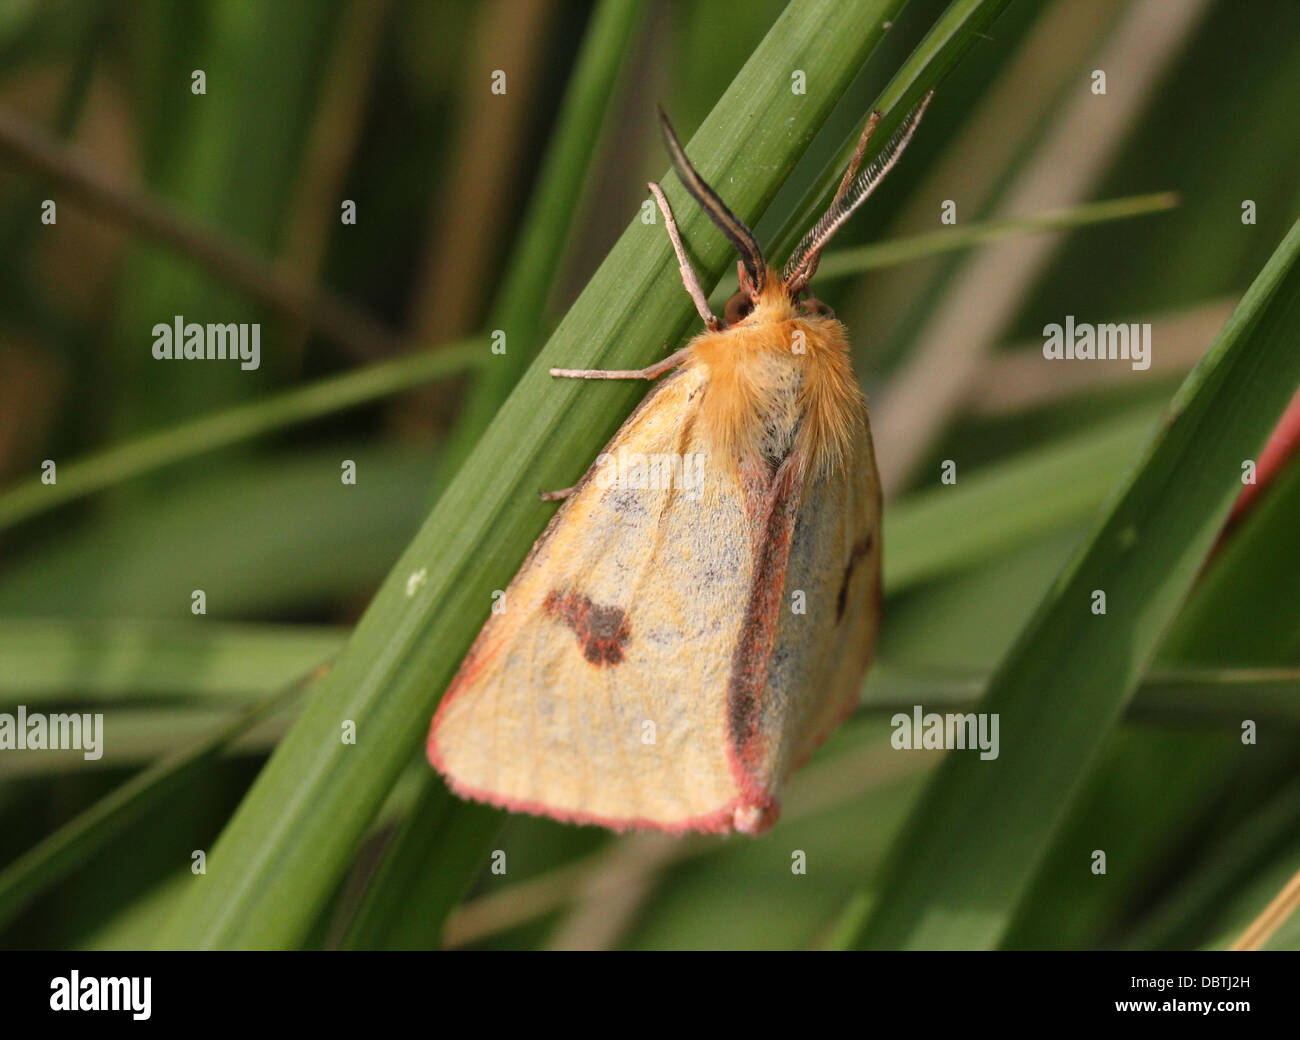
[852, 193]
[730, 225]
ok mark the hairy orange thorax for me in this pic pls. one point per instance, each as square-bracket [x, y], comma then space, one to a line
[780, 383]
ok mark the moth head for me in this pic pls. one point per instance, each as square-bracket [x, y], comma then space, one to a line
[855, 188]
[752, 270]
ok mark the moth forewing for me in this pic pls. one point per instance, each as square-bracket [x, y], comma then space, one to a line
[592, 698]
[682, 636]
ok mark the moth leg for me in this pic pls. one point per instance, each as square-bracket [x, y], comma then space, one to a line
[558, 496]
[649, 372]
[689, 278]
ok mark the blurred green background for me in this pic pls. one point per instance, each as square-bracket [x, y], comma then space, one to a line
[479, 211]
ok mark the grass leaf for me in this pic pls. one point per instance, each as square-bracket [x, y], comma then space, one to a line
[176, 443]
[972, 844]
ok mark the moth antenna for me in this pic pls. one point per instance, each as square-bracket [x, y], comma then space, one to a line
[728, 223]
[855, 160]
[852, 193]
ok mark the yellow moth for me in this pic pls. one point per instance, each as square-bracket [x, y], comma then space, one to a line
[699, 614]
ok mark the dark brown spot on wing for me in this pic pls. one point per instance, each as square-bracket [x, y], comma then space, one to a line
[602, 631]
[859, 551]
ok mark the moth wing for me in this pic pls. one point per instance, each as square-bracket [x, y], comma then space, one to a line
[599, 694]
[798, 679]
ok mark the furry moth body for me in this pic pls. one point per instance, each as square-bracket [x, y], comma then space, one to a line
[671, 650]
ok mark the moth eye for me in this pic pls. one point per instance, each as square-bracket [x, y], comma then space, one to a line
[815, 306]
[739, 307]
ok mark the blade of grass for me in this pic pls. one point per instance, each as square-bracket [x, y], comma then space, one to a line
[1240, 611]
[152, 451]
[401, 910]
[266, 563]
[972, 844]
[277, 863]
[1272, 917]
[1000, 506]
[1202, 910]
[57, 660]
[1287, 937]
[1209, 695]
[77, 841]
[1243, 609]
[846, 262]
[138, 736]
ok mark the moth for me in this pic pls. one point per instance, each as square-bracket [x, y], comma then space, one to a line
[700, 612]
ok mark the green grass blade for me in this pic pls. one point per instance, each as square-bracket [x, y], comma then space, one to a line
[846, 262]
[1243, 609]
[999, 506]
[270, 562]
[401, 909]
[276, 865]
[59, 660]
[972, 844]
[150, 452]
[1190, 694]
[1240, 610]
[1181, 917]
[138, 736]
[77, 841]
